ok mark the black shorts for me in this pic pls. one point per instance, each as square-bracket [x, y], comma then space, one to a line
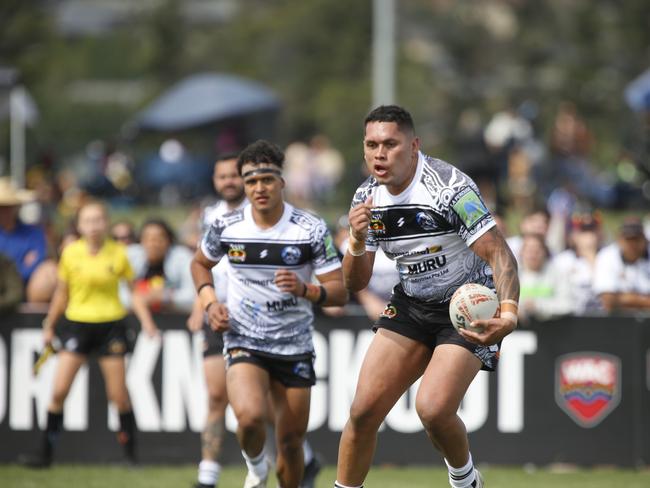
[429, 324]
[292, 372]
[103, 338]
[212, 341]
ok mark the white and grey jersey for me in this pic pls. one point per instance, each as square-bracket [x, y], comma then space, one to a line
[263, 318]
[216, 211]
[428, 228]
[210, 214]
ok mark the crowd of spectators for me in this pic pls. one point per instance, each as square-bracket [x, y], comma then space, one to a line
[568, 261]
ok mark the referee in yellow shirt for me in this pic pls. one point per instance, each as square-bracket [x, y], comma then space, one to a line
[89, 272]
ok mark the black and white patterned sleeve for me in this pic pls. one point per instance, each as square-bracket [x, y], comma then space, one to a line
[324, 255]
[211, 242]
[468, 214]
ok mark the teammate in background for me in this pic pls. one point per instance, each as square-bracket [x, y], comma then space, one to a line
[90, 270]
[429, 217]
[228, 184]
[272, 249]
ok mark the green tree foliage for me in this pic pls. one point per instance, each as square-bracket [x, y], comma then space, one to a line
[452, 56]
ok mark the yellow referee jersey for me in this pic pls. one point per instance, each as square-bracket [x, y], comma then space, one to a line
[93, 281]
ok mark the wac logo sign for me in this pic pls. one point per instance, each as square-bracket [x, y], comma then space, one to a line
[588, 386]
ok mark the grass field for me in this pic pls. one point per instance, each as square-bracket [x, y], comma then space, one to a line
[61, 476]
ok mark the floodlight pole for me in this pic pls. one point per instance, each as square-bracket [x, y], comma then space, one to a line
[383, 52]
[17, 134]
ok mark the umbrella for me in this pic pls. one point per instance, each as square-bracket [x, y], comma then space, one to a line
[206, 98]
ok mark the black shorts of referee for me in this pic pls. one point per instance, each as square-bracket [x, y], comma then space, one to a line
[100, 338]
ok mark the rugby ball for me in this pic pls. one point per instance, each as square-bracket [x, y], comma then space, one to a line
[470, 302]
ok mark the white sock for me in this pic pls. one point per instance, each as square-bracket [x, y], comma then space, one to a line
[339, 485]
[462, 477]
[209, 472]
[257, 465]
[307, 452]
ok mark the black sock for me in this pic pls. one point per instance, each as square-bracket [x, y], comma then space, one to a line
[52, 432]
[126, 434]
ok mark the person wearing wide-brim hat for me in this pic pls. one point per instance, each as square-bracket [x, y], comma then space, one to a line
[25, 244]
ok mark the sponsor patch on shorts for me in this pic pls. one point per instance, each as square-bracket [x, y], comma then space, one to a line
[389, 312]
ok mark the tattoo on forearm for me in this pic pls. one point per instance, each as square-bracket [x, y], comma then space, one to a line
[504, 267]
[212, 439]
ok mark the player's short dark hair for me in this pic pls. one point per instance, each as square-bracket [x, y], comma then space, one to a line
[226, 156]
[392, 113]
[261, 151]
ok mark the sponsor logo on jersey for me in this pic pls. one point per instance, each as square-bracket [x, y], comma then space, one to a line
[281, 305]
[291, 255]
[470, 208]
[389, 312]
[428, 265]
[425, 221]
[427, 250]
[264, 253]
[588, 386]
[377, 225]
[237, 253]
[250, 308]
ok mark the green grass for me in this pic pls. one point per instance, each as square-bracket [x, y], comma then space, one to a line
[183, 476]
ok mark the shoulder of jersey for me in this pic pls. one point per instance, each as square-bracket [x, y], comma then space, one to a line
[232, 217]
[438, 174]
[304, 218]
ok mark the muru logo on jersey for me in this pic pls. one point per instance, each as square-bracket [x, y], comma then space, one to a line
[237, 253]
[428, 265]
[291, 255]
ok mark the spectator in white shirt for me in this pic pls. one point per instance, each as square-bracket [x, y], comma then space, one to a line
[622, 277]
[578, 262]
[544, 290]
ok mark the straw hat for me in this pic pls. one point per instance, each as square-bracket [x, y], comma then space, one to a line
[10, 195]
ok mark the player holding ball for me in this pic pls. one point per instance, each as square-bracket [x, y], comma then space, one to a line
[429, 217]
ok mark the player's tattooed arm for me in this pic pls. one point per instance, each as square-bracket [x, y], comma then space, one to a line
[493, 249]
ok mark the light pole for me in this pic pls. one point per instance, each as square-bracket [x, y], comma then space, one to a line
[383, 52]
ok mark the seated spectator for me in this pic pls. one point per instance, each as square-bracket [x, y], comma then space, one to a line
[162, 268]
[24, 244]
[535, 221]
[11, 285]
[124, 231]
[41, 286]
[622, 275]
[578, 262]
[544, 289]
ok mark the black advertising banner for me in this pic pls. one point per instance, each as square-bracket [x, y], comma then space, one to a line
[574, 390]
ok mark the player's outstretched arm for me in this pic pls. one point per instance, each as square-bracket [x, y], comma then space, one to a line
[493, 249]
